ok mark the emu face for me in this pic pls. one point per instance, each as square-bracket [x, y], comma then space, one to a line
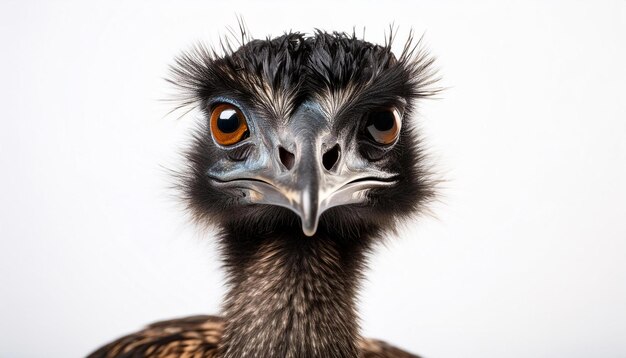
[316, 125]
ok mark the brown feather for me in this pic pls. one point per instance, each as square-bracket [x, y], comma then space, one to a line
[199, 337]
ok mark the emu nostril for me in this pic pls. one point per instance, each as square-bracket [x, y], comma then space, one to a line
[286, 157]
[329, 159]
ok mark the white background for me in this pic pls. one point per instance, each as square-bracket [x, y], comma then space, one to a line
[526, 256]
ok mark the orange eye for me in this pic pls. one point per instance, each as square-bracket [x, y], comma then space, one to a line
[228, 124]
[383, 126]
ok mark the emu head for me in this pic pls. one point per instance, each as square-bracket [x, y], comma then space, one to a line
[313, 133]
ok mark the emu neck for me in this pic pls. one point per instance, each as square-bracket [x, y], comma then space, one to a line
[291, 296]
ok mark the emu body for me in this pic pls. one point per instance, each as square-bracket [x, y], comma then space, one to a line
[306, 157]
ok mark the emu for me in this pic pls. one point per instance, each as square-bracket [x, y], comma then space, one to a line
[307, 155]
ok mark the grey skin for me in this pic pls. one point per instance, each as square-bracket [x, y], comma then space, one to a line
[300, 180]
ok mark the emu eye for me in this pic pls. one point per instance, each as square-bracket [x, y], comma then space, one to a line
[383, 125]
[228, 125]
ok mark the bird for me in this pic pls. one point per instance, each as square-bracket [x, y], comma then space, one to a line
[305, 157]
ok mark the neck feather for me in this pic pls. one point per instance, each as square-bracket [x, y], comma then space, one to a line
[291, 295]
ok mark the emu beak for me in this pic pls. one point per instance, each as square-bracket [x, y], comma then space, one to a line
[309, 184]
[309, 211]
[313, 189]
[309, 188]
